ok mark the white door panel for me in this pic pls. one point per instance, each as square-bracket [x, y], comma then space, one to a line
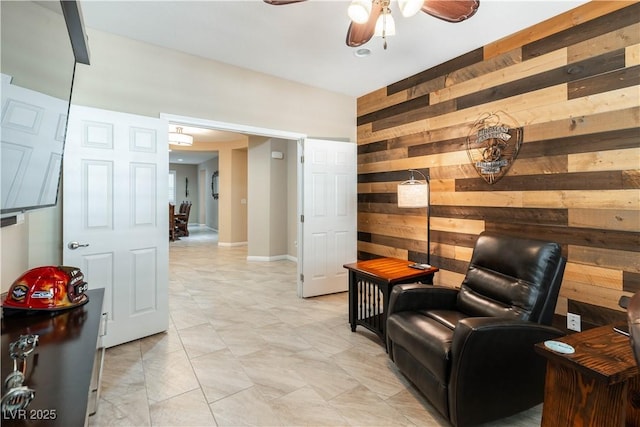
[115, 188]
[330, 208]
[29, 176]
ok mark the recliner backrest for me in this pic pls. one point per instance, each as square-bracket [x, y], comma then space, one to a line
[512, 277]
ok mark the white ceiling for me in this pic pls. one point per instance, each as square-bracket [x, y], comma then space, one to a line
[305, 42]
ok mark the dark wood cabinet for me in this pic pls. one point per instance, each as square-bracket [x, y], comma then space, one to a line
[65, 366]
[597, 385]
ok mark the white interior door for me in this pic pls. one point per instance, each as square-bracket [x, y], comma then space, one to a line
[330, 213]
[115, 190]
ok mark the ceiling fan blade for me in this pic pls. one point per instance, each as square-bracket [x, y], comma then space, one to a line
[282, 2]
[359, 34]
[451, 10]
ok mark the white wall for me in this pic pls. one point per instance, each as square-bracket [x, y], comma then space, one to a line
[238, 199]
[135, 77]
[291, 159]
[139, 78]
[278, 200]
[259, 189]
[272, 199]
[14, 250]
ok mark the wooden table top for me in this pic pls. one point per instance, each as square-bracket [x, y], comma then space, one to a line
[600, 352]
[390, 270]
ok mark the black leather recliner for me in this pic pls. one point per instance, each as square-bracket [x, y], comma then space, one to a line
[633, 318]
[470, 350]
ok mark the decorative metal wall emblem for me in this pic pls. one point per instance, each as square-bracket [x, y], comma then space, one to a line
[493, 144]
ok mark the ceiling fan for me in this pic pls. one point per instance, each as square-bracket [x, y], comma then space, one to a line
[373, 17]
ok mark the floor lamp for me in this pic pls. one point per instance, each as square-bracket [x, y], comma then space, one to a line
[415, 194]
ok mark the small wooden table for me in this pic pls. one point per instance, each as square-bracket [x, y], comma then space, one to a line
[598, 385]
[370, 284]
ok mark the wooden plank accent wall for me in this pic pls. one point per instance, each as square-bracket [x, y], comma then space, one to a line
[573, 84]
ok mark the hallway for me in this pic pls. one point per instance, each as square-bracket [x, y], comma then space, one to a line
[243, 349]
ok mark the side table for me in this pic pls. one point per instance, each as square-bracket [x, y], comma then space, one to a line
[597, 385]
[370, 284]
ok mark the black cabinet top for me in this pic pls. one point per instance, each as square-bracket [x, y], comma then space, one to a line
[60, 368]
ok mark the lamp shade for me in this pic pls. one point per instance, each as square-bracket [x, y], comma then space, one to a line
[385, 25]
[409, 7]
[179, 138]
[413, 194]
[359, 11]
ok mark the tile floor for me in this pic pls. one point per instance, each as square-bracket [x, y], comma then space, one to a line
[243, 350]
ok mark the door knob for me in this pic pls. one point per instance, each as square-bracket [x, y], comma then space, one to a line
[76, 245]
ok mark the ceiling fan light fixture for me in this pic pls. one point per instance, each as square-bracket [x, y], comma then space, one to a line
[179, 138]
[363, 13]
[385, 26]
[359, 11]
[409, 8]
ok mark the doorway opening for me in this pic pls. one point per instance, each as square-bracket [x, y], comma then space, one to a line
[266, 150]
[322, 242]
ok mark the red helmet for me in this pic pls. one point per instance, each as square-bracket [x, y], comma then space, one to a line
[47, 288]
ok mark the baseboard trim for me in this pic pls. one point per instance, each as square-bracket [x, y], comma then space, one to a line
[271, 258]
[231, 244]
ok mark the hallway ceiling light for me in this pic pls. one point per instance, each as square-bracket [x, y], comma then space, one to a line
[179, 138]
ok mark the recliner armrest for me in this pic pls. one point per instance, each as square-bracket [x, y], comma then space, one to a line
[481, 331]
[500, 352]
[417, 296]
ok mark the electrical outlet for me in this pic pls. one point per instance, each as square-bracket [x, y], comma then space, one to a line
[573, 322]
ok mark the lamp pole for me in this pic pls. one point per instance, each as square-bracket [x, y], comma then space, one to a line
[428, 181]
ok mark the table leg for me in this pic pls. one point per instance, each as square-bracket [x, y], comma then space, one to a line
[353, 293]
